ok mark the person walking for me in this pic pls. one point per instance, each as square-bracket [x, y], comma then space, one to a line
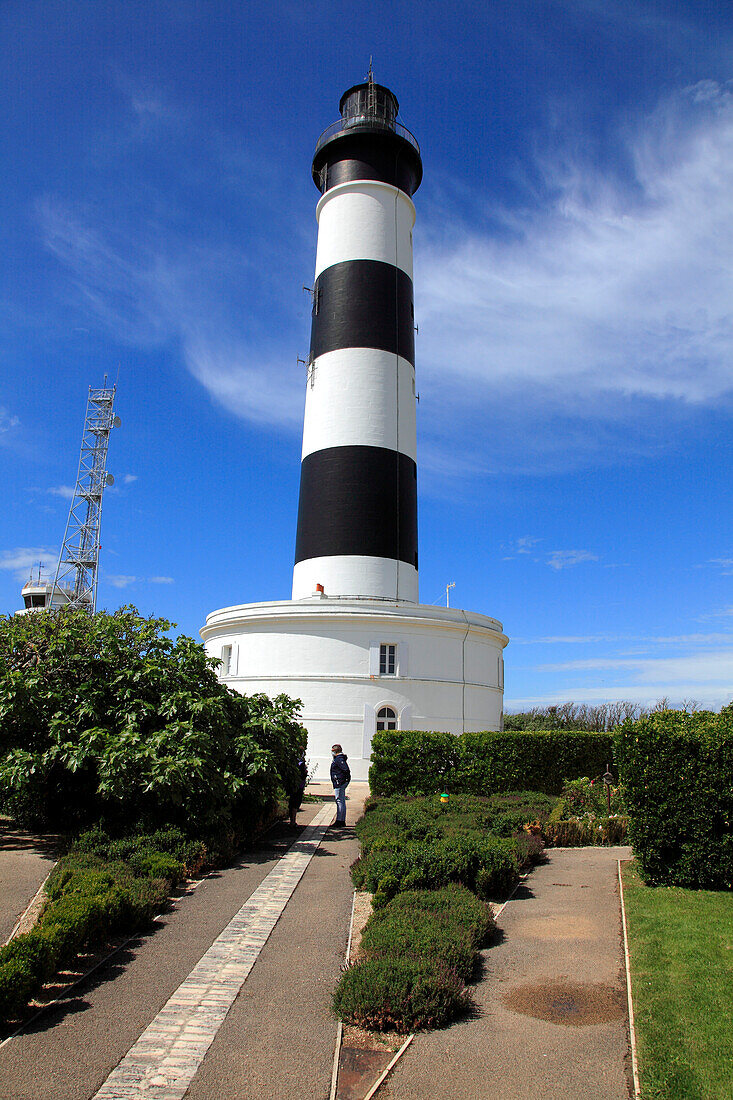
[340, 777]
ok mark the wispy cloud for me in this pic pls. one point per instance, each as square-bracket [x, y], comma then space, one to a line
[65, 491]
[563, 559]
[611, 295]
[124, 580]
[120, 580]
[129, 478]
[22, 559]
[7, 422]
[724, 564]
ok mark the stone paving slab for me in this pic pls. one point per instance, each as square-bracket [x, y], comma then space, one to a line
[166, 1057]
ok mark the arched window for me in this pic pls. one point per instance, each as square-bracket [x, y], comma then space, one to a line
[386, 718]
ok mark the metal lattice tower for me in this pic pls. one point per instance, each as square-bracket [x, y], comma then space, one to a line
[78, 564]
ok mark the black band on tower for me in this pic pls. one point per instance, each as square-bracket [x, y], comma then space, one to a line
[357, 500]
[363, 304]
[384, 157]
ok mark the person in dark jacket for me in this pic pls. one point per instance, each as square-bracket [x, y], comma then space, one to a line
[340, 777]
[298, 782]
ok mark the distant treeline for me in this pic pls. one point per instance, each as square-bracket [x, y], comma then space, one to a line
[584, 716]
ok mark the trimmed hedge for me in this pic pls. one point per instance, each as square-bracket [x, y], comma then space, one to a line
[93, 893]
[419, 842]
[677, 774]
[423, 762]
[415, 955]
[402, 994]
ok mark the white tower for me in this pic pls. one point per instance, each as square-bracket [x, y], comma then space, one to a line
[357, 520]
[353, 643]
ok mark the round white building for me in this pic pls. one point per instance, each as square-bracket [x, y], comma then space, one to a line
[354, 644]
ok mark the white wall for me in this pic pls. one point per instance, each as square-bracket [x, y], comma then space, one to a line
[323, 653]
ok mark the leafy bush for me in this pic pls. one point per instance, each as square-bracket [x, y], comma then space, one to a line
[17, 983]
[403, 994]
[446, 926]
[105, 717]
[464, 908]
[677, 774]
[423, 762]
[92, 893]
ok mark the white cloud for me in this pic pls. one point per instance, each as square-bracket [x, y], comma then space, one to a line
[119, 580]
[24, 558]
[611, 295]
[713, 669]
[724, 564]
[161, 580]
[7, 422]
[129, 478]
[65, 491]
[676, 692]
[561, 559]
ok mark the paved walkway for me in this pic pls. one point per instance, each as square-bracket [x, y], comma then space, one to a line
[180, 1018]
[551, 1019]
[25, 862]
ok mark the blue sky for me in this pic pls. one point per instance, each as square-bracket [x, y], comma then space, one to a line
[574, 295]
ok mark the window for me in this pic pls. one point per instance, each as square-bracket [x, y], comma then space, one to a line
[386, 718]
[226, 660]
[387, 661]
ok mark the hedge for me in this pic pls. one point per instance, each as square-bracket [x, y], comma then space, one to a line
[414, 957]
[677, 775]
[423, 762]
[92, 894]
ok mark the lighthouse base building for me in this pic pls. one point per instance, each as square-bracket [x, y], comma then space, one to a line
[354, 643]
[362, 665]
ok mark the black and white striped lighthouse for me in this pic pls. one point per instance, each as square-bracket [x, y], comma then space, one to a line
[357, 517]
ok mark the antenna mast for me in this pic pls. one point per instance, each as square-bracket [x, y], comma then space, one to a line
[79, 558]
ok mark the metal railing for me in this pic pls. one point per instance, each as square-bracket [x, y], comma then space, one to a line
[365, 122]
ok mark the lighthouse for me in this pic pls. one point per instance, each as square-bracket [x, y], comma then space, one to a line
[357, 517]
[354, 643]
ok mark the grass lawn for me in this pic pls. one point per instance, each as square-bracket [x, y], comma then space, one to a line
[681, 947]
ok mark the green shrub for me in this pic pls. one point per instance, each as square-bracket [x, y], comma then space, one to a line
[403, 994]
[417, 762]
[35, 950]
[151, 864]
[17, 983]
[445, 925]
[488, 866]
[419, 935]
[472, 914]
[677, 775]
[106, 718]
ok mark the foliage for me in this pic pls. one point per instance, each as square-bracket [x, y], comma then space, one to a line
[680, 945]
[677, 772]
[423, 762]
[93, 892]
[414, 955]
[403, 994]
[420, 842]
[580, 816]
[106, 717]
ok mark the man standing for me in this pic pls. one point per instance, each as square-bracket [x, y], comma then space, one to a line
[340, 777]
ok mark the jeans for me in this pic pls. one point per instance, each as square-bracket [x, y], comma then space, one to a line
[339, 793]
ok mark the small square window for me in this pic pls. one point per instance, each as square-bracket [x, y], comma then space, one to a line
[387, 659]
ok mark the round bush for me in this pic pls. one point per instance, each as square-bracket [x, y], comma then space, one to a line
[399, 994]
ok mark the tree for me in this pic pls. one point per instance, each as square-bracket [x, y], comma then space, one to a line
[106, 717]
